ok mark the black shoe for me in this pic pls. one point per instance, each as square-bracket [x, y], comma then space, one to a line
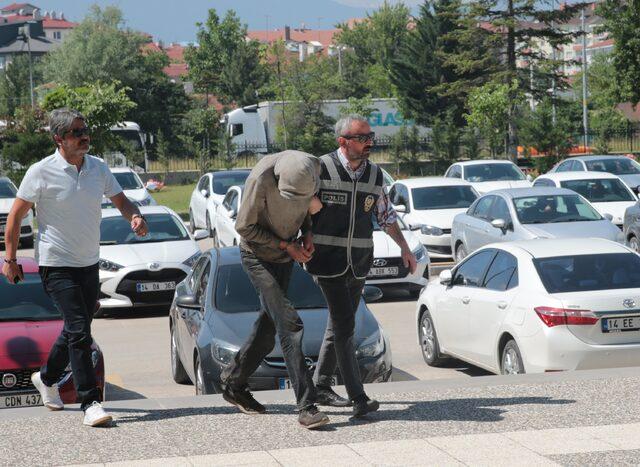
[311, 418]
[364, 405]
[326, 396]
[244, 400]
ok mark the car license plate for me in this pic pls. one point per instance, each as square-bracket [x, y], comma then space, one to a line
[155, 286]
[386, 271]
[285, 383]
[20, 400]
[621, 324]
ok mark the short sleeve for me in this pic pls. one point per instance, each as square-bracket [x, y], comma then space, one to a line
[111, 185]
[30, 188]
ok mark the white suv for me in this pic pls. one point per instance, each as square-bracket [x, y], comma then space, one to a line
[7, 196]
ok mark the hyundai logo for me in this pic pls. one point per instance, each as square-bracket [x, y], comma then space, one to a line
[379, 262]
[9, 380]
[154, 265]
[629, 303]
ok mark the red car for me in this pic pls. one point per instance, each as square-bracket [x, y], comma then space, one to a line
[29, 325]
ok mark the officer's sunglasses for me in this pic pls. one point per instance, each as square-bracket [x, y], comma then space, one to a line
[361, 138]
[79, 132]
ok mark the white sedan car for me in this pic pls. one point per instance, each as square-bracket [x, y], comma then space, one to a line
[132, 186]
[606, 192]
[536, 306]
[143, 271]
[388, 270]
[225, 232]
[8, 193]
[428, 205]
[489, 175]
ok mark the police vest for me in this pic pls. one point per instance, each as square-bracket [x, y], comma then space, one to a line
[343, 228]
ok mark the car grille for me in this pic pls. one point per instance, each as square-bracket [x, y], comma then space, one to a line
[446, 231]
[391, 262]
[127, 285]
[441, 249]
[23, 379]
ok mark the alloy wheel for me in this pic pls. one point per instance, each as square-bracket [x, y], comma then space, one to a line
[199, 378]
[427, 337]
[511, 363]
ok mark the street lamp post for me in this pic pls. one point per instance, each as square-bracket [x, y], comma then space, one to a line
[26, 36]
[585, 121]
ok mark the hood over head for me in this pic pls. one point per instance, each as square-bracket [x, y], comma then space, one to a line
[298, 175]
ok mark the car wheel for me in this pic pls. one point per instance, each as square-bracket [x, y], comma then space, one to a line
[199, 377]
[27, 242]
[511, 359]
[177, 370]
[192, 222]
[429, 341]
[209, 228]
[461, 253]
[634, 244]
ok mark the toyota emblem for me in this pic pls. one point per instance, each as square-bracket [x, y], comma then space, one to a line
[629, 303]
[9, 380]
[379, 262]
[154, 265]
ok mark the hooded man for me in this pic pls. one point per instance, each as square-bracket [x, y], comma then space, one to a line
[276, 198]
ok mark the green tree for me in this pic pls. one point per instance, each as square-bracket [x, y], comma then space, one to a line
[621, 19]
[103, 105]
[224, 63]
[538, 130]
[358, 106]
[15, 86]
[445, 136]
[203, 125]
[163, 153]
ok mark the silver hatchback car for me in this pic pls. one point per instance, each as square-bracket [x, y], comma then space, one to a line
[527, 213]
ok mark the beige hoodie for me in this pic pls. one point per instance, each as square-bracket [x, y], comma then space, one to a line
[275, 202]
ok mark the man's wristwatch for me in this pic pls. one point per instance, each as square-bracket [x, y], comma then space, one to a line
[140, 216]
[8, 260]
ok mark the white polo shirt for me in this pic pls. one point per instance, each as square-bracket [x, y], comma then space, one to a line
[68, 208]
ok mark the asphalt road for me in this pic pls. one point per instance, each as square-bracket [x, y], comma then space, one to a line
[137, 360]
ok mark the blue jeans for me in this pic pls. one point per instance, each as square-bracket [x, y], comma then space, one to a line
[74, 291]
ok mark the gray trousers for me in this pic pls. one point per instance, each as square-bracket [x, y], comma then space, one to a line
[343, 295]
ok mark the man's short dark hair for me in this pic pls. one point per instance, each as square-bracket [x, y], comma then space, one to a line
[61, 120]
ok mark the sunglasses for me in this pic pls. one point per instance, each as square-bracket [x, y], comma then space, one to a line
[361, 138]
[79, 132]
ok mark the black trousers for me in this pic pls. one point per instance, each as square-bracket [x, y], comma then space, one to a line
[74, 291]
[343, 295]
[278, 316]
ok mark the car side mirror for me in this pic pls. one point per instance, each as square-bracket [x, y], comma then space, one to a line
[608, 216]
[400, 208]
[204, 193]
[233, 213]
[371, 294]
[188, 301]
[529, 178]
[446, 277]
[499, 224]
[200, 234]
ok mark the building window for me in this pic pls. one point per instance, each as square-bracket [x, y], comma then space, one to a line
[57, 35]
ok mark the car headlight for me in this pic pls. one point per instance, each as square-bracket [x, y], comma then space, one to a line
[223, 352]
[105, 265]
[431, 230]
[372, 346]
[419, 253]
[190, 261]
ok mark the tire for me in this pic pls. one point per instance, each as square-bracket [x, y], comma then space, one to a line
[178, 372]
[429, 344]
[98, 312]
[461, 253]
[634, 244]
[27, 242]
[199, 382]
[209, 227]
[511, 360]
[192, 223]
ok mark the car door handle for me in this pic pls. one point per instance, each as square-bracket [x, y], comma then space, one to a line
[502, 305]
[466, 300]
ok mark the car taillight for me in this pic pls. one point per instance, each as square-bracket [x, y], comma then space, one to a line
[559, 316]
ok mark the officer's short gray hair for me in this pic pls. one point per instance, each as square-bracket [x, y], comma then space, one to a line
[61, 120]
[344, 124]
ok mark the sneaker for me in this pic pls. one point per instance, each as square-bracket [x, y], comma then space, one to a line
[244, 400]
[311, 418]
[364, 405]
[50, 394]
[327, 396]
[94, 415]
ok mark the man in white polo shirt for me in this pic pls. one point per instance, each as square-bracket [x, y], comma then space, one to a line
[67, 189]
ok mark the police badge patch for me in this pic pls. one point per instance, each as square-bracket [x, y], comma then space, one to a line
[368, 203]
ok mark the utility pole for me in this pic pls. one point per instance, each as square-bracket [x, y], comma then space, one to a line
[553, 81]
[26, 37]
[585, 121]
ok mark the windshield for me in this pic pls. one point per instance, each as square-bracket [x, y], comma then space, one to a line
[442, 197]
[162, 228]
[616, 166]
[222, 181]
[130, 137]
[7, 190]
[582, 273]
[600, 190]
[492, 173]
[26, 301]
[554, 208]
[128, 180]
[236, 294]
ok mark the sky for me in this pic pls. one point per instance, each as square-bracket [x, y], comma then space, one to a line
[172, 21]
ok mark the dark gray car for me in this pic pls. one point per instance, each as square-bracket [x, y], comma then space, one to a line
[527, 213]
[627, 169]
[213, 313]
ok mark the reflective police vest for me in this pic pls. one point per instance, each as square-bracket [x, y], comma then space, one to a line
[343, 228]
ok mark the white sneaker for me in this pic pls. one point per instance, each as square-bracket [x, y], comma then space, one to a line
[95, 415]
[50, 394]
